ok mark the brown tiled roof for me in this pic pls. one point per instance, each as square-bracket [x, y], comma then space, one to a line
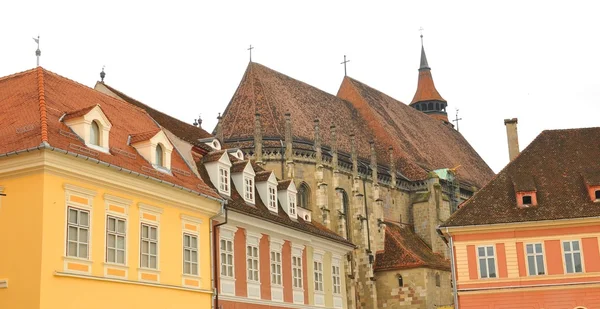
[33, 101]
[592, 177]
[239, 166]
[262, 176]
[237, 204]
[556, 161]
[185, 131]
[420, 142]
[78, 113]
[404, 249]
[283, 184]
[144, 136]
[213, 156]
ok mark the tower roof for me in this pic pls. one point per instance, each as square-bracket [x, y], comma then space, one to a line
[426, 88]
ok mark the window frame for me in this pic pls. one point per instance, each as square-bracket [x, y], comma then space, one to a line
[77, 225]
[159, 149]
[98, 140]
[225, 262]
[250, 260]
[149, 240]
[191, 249]
[272, 195]
[336, 279]
[534, 255]
[117, 234]
[249, 192]
[297, 275]
[224, 176]
[318, 276]
[486, 258]
[292, 204]
[572, 252]
[273, 266]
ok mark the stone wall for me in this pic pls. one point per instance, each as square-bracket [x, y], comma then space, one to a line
[419, 289]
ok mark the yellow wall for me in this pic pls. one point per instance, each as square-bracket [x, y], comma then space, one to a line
[20, 240]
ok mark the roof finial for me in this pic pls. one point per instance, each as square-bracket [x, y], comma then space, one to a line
[424, 64]
[344, 63]
[456, 120]
[198, 122]
[421, 30]
[38, 52]
[102, 75]
[250, 49]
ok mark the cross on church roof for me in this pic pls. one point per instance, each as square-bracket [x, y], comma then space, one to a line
[456, 120]
[250, 49]
[344, 63]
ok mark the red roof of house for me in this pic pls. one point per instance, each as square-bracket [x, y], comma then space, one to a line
[558, 165]
[144, 136]
[404, 249]
[33, 101]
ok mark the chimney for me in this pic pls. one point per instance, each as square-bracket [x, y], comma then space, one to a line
[512, 137]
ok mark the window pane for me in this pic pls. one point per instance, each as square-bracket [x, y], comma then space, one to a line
[83, 218]
[575, 245]
[195, 269]
[72, 233]
[490, 251]
[83, 251]
[492, 268]
[72, 249]
[194, 242]
[186, 268]
[186, 240]
[577, 260]
[567, 246]
[111, 224]
[152, 248]
[482, 268]
[110, 255]
[229, 245]
[121, 226]
[144, 261]
[83, 235]
[538, 248]
[72, 216]
[121, 242]
[145, 247]
[481, 251]
[531, 265]
[569, 262]
[540, 264]
[110, 241]
[152, 262]
[186, 255]
[195, 256]
[121, 257]
[153, 233]
[144, 231]
[529, 249]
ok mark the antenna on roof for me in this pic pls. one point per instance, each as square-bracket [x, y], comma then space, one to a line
[38, 52]
[344, 63]
[456, 120]
[102, 75]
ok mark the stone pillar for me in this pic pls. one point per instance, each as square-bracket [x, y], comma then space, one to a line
[354, 164]
[373, 162]
[219, 129]
[513, 137]
[334, 150]
[258, 140]
[392, 166]
[289, 150]
[318, 151]
[322, 197]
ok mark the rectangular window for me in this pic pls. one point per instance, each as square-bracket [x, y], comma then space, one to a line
[275, 268]
[535, 259]
[318, 276]
[78, 225]
[252, 262]
[337, 282]
[292, 198]
[226, 258]
[487, 262]
[190, 254]
[297, 272]
[223, 180]
[272, 198]
[572, 256]
[248, 188]
[149, 250]
[115, 240]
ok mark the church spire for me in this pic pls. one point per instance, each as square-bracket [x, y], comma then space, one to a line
[427, 99]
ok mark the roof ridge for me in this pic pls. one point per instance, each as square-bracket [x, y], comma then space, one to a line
[7, 77]
[42, 99]
[266, 98]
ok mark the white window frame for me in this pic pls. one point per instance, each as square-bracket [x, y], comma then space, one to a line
[191, 249]
[78, 228]
[297, 279]
[486, 258]
[336, 279]
[292, 204]
[272, 194]
[224, 262]
[275, 270]
[318, 275]
[224, 176]
[149, 240]
[249, 188]
[252, 273]
[116, 234]
[534, 255]
[572, 252]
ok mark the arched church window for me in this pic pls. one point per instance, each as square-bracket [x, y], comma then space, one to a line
[346, 210]
[303, 196]
[430, 106]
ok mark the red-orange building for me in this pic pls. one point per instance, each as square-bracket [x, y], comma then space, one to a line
[530, 237]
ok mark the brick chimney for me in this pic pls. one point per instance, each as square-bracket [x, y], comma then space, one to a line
[513, 138]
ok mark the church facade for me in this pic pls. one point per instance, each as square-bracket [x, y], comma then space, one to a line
[380, 173]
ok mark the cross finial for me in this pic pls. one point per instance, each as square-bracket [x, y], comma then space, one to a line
[102, 75]
[456, 120]
[250, 49]
[421, 31]
[344, 63]
[38, 52]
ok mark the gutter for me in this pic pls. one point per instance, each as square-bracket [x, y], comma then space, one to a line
[213, 256]
[517, 223]
[452, 267]
[45, 145]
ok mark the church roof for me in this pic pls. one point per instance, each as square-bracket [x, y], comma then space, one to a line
[185, 131]
[415, 136]
[425, 88]
[558, 165]
[34, 101]
[273, 94]
[404, 249]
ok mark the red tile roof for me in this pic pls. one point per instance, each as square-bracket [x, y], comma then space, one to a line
[213, 156]
[404, 249]
[34, 100]
[78, 113]
[283, 184]
[144, 136]
[555, 164]
[426, 88]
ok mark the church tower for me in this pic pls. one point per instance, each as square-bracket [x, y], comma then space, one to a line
[427, 99]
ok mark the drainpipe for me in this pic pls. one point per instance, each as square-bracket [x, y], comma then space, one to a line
[213, 256]
[452, 266]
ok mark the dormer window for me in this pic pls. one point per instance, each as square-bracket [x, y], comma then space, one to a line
[273, 198]
[292, 201]
[91, 125]
[95, 133]
[597, 193]
[212, 142]
[249, 189]
[224, 179]
[527, 200]
[159, 156]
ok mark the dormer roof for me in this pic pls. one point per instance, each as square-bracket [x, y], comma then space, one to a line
[144, 136]
[240, 166]
[263, 176]
[284, 184]
[214, 156]
[552, 166]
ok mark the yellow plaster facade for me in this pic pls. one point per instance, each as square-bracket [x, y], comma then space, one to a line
[38, 271]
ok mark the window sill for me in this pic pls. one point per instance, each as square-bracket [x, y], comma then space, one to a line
[116, 265]
[149, 270]
[78, 260]
[98, 148]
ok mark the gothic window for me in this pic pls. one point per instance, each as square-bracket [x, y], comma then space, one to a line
[303, 196]
[346, 210]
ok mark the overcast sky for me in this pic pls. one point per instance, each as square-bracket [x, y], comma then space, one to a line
[535, 60]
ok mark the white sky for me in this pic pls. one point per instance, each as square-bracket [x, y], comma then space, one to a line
[535, 60]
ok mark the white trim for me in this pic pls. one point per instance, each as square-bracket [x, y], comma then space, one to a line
[534, 258]
[126, 253]
[98, 148]
[157, 226]
[192, 249]
[190, 219]
[580, 251]
[119, 201]
[486, 257]
[150, 209]
[87, 192]
[79, 207]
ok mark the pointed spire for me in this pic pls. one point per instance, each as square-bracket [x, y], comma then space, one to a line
[424, 64]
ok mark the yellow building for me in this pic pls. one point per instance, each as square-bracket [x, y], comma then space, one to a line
[99, 210]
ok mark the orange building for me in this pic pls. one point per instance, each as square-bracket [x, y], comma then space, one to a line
[530, 237]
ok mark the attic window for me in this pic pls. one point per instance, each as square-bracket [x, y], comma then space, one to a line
[292, 201]
[273, 198]
[224, 180]
[91, 125]
[95, 133]
[527, 200]
[597, 193]
[159, 156]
